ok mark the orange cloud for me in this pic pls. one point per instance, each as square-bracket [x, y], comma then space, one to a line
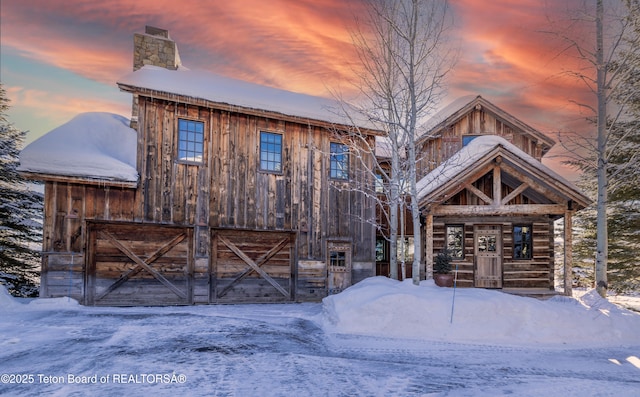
[299, 45]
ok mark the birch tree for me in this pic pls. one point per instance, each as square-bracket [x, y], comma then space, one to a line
[609, 58]
[621, 156]
[404, 58]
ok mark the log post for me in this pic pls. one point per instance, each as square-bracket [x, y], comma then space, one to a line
[429, 245]
[568, 253]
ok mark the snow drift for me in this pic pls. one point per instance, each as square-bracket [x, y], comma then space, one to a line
[93, 145]
[383, 307]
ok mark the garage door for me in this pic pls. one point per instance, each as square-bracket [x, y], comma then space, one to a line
[252, 266]
[137, 264]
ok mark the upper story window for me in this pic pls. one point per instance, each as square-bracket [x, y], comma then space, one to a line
[339, 161]
[270, 152]
[522, 242]
[190, 140]
[467, 138]
[379, 183]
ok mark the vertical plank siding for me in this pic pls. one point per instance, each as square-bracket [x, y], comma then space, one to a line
[477, 122]
[227, 191]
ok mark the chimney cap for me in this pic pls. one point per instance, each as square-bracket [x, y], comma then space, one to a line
[151, 30]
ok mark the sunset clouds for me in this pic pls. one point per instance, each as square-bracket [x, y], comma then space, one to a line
[298, 45]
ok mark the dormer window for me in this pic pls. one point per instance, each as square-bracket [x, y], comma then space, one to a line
[190, 140]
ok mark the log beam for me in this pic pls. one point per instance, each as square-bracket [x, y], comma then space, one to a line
[491, 210]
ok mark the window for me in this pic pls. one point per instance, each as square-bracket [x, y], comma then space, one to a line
[381, 249]
[379, 183]
[468, 138]
[454, 241]
[487, 243]
[522, 238]
[338, 258]
[190, 140]
[339, 161]
[270, 152]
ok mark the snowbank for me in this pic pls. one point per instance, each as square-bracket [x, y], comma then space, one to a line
[92, 145]
[9, 304]
[383, 307]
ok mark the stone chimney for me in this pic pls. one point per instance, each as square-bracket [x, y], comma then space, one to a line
[155, 47]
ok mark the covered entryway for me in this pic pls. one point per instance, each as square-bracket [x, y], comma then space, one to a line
[252, 266]
[488, 256]
[138, 264]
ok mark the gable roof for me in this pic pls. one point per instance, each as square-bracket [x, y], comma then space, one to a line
[238, 94]
[434, 187]
[459, 108]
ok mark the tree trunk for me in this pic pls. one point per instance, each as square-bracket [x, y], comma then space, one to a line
[601, 206]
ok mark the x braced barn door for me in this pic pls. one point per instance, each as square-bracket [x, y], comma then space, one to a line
[488, 256]
[135, 264]
[252, 266]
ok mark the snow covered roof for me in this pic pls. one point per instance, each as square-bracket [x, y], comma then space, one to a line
[463, 105]
[92, 146]
[215, 88]
[448, 111]
[480, 150]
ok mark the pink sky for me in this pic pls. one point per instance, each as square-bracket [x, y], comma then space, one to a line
[60, 58]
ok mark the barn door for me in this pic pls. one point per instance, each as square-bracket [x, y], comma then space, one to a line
[252, 266]
[339, 266]
[135, 264]
[488, 256]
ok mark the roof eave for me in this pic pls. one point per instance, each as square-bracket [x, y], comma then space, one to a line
[241, 109]
[78, 179]
[438, 195]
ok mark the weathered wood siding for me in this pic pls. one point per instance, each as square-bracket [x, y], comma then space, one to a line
[67, 208]
[537, 272]
[478, 122]
[228, 190]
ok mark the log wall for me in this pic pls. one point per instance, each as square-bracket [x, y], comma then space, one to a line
[537, 272]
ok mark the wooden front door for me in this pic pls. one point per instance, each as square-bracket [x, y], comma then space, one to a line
[338, 266]
[252, 266]
[137, 264]
[488, 256]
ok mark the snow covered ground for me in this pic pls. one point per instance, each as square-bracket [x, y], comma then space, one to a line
[377, 338]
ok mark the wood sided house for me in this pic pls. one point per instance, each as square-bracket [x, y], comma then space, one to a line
[232, 192]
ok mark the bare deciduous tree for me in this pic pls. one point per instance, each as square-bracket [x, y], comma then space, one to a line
[404, 57]
[608, 55]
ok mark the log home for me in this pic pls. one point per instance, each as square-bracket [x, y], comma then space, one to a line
[488, 199]
[222, 191]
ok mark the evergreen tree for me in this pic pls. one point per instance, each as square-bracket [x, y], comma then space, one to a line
[20, 214]
[623, 173]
